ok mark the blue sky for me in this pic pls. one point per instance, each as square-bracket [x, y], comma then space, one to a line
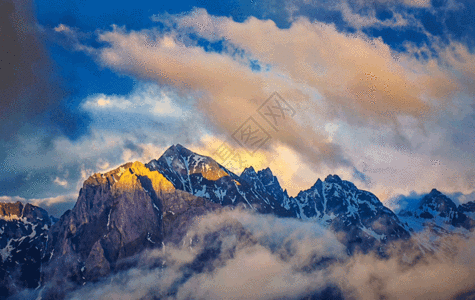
[383, 89]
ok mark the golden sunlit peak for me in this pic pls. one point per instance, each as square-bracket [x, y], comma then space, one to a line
[130, 177]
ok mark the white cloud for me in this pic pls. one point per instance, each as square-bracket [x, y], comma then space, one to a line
[369, 19]
[11, 199]
[382, 102]
[102, 164]
[62, 28]
[146, 100]
[260, 257]
[61, 182]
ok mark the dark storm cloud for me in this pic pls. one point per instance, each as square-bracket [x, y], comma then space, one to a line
[26, 72]
[34, 104]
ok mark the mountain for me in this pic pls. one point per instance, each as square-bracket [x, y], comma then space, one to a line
[266, 185]
[359, 214]
[203, 177]
[469, 210]
[118, 215]
[23, 239]
[439, 211]
[138, 207]
[434, 216]
[333, 203]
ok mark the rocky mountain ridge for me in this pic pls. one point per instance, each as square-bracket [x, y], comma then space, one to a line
[137, 207]
[332, 202]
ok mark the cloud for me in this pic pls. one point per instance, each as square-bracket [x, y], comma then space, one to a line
[370, 20]
[441, 275]
[62, 28]
[365, 80]
[252, 274]
[55, 206]
[353, 81]
[255, 257]
[241, 255]
[71, 38]
[27, 91]
[355, 99]
[359, 15]
[140, 126]
[147, 100]
[32, 110]
[418, 3]
[412, 3]
[61, 182]
[225, 88]
[11, 199]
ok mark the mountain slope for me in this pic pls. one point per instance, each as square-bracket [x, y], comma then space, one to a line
[203, 177]
[438, 211]
[23, 238]
[434, 217]
[341, 206]
[266, 185]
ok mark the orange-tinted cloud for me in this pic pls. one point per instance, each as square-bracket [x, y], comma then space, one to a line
[358, 76]
[328, 77]
[226, 89]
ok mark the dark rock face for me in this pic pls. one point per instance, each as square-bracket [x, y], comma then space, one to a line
[214, 252]
[437, 204]
[23, 238]
[266, 185]
[272, 187]
[467, 210]
[468, 207]
[179, 212]
[115, 215]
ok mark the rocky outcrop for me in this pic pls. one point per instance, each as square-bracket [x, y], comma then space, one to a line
[468, 209]
[266, 185]
[23, 238]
